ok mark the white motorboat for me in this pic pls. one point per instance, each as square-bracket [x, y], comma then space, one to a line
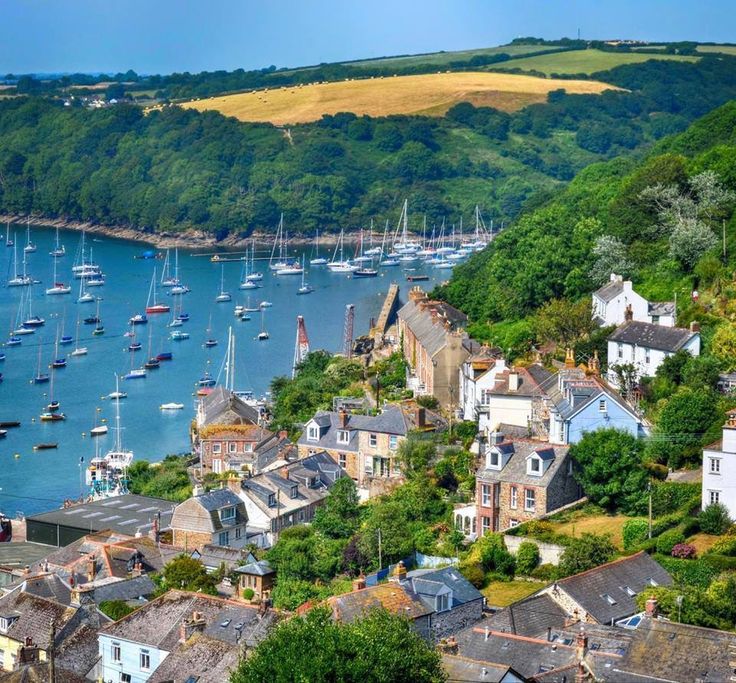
[172, 406]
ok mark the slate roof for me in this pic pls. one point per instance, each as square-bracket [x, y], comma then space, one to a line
[211, 661]
[465, 670]
[221, 406]
[157, 623]
[578, 393]
[391, 596]
[34, 616]
[589, 588]
[530, 617]
[515, 470]
[319, 466]
[214, 555]
[49, 586]
[530, 381]
[426, 581]
[669, 339]
[661, 308]
[127, 589]
[201, 513]
[430, 329]
[610, 290]
[261, 568]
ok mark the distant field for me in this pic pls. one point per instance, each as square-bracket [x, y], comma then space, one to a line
[442, 58]
[430, 94]
[723, 49]
[583, 61]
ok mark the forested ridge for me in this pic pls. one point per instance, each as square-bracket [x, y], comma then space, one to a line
[174, 170]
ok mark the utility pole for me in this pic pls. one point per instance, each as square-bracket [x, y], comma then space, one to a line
[378, 390]
[52, 654]
[724, 240]
[380, 552]
[649, 491]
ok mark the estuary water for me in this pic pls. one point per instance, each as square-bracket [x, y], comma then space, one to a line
[33, 481]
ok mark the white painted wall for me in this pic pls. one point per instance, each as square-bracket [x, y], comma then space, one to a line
[613, 311]
[471, 389]
[719, 473]
[645, 360]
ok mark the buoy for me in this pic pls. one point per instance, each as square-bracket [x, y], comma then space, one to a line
[17, 455]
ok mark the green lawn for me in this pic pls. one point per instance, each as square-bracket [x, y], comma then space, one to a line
[504, 593]
[596, 524]
[442, 58]
[582, 61]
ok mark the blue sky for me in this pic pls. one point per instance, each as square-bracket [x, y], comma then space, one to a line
[161, 36]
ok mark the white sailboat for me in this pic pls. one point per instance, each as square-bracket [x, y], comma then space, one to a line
[84, 296]
[223, 296]
[305, 288]
[277, 262]
[19, 280]
[59, 287]
[405, 245]
[253, 276]
[262, 335]
[153, 305]
[79, 350]
[98, 429]
[30, 246]
[58, 251]
[317, 260]
[245, 282]
[340, 265]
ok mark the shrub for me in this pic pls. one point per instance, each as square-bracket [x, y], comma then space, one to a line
[661, 525]
[428, 401]
[586, 552]
[668, 540]
[671, 496]
[690, 526]
[724, 546]
[634, 532]
[546, 572]
[495, 557]
[116, 609]
[685, 551]
[527, 557]
[474, 573]
[720, 563]
[248, 594]
[714, 519]
[696, 573]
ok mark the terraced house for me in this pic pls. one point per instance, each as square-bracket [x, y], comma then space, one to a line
[365, 446]
[435, 345]
[217, 518]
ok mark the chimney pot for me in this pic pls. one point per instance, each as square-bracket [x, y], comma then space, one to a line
[284, 472]
[359, 583]
[628, 314]
[651, 607]
[283, 434]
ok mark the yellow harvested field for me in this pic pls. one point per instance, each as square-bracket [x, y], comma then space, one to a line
[430, 94]
[599, 524]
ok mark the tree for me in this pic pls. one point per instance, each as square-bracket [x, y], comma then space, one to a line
[586, 552]
[338, 517]
[416, 455]
[723, 346]
[610, 257]
[376, 648]
[689, 240]
[714, 519]
[391, 519]
[610, 469]
[186, 573]
[563, 322]
[527, 558]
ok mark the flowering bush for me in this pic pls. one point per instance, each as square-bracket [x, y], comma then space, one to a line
[684, 551]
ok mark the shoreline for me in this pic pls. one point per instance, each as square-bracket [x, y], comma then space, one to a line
[188, 239]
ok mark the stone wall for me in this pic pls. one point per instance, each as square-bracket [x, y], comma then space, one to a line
[447, 623]
[549, 553]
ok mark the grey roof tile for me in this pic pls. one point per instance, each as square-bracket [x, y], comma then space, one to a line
[647, 335]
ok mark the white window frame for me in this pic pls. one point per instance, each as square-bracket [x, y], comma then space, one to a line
[602, 405]
[485, 521]
[393, 442]
[217, 465]
[442, 602]
[535, 467]
[144, 656]
[714, 497]
[373, 440]
[527, 498]
[343, 436]
[116, 654]
[342, 460]
[493, 454]
[715, 466]
[228, 513]
[513, 523]
[313, 433]
[232, 446]
[238, 533]
[248, 447]
[217, 447]
[620, 350]
[485, 495]
[514, 497]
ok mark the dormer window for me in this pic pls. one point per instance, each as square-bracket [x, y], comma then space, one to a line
[608, 599]
[442, 602]
[227, 514]
[294, 491]
[6, 623]
[494, 459]
[534, 466]
[343, 436]
[313, 433]
[272, 500]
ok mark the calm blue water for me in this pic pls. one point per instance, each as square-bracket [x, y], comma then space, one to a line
[42, 480]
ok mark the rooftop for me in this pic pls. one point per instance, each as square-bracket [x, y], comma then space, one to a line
[431, 321]
[515, 470]
[391, 596]
[647, 335]
[221, 406]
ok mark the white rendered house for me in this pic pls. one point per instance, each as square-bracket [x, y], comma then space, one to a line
[612, 302]
[719, 468]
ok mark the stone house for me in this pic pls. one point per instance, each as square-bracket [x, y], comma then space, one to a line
[645, 346]
[365, 446]
[259, 576]
[522, 480]
[719, 468]
[218, 517]
[611, 302]
[288, 496]
[435, 345]
[241, 448]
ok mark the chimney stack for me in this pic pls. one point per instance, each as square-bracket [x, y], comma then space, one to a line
[284, 471]
[343, 416]
[651, 607]
[513, 381]
[448, 645]
[399, 572]
[695, 326]
[628, 314]
[283, 434]
[421, 416]
[91, 568]
[359, 583]
[190, 626]
[581, 644]
[569, 358]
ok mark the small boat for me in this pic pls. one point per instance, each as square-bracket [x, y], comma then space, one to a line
[206, 380]
[9, 424]
[172, 406]
[98, 330]
[365, 272]
[100, 430]
[244, 318]
[389, 262]
[417, 278]
[66, 339]
[40, 378]
[58, 251]
[178, 335]
[52, 417]
[317, 260]
[183, 317]
[135, 346]
[262, 335]
[209, 343]
[152, 306]
[265, 304]
[152, 364]
[34, 321]
[2, 357]
[14, 341]
[117, 395]
[58, 363]
[3, 433]
[84, 296]
[175, 323]
[23, 331]
[30, 246]
[79, 351]
[97, 280]
[53, 407]
[45, 446]
[136, 373]
[305, 289]
[138, 319]
[290, 269]
[91, 320]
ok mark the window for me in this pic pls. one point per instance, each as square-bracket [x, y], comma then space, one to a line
[223, 538]
[485, 397]
[294, 492]
[115, 654]
[232, 447]
[513, 523]
[630, 591]
[238, 533]
[396, 466]
[217, 466]
[343, 436]
[442, 603]
[652, 582]
[535, 465]
[485, 494]
[655, 320]
[145, 660]
[393, 442]
[715, 465]
[602, 406]
[647, 356]
[608, 599]
[227, 513]
[125, 678]
[271, 500]
[620, 350]
[714, 497]
[486, 524]
[248, 447]
[530, 496]
[372, 440]
[313, 433]
[514, 497]
[342, 460]
[493, 458]
[217, 447]
[6, 623]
